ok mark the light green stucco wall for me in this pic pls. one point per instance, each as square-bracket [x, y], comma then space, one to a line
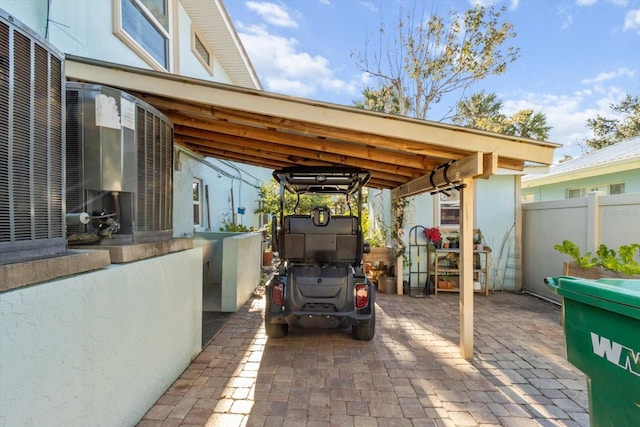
[98, 349]
[557, 191]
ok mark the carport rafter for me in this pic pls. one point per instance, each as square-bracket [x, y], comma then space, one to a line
[305, 134]
[394, 172]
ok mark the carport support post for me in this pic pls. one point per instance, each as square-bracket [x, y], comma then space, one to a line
[466, 268]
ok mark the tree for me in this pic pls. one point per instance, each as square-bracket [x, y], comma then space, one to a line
[432, 58]
[527, 124]
[608, 131]
[384, 100]
[482, 111]
[269, 200]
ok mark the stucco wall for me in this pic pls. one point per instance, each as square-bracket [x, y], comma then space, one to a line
[98, 349]
[29, 12]
[243, 183]
[558, 191]
[189, 64]
[241, 268]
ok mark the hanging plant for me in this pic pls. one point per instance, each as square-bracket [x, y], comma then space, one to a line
[397, 231]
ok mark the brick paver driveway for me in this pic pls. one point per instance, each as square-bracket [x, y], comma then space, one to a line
[410, 374]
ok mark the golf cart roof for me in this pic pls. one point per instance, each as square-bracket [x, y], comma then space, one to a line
[322, 179]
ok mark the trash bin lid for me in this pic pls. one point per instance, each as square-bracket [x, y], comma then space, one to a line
[619, 295]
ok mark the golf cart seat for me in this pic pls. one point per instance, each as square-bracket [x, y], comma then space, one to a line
[322, 239]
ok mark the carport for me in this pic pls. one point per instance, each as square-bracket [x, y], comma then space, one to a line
[406, 155]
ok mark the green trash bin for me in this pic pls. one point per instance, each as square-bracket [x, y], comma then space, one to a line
[602, 335]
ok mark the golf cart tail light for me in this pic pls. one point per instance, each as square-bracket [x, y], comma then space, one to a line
[362, 295]
[277, 294]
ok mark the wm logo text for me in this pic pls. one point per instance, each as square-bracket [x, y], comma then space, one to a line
[618, 354]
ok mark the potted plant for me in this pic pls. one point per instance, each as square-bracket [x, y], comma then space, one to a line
[454, 240]
[607, 263]
[444, 282]
[433, 235]
[477, 240]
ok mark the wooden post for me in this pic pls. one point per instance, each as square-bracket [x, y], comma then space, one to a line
[399, 275]
[466, 268]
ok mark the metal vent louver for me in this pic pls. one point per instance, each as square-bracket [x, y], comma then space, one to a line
[31, 145]
[155, 150]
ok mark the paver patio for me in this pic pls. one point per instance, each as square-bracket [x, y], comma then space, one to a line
[410, 374]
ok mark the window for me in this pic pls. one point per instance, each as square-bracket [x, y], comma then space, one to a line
[197, 203]
[616, 188]
[573, 193]
[449, 208]
[144, 26]
[528, 197]
[201, 49]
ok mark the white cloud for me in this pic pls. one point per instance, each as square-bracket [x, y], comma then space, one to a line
[272, 13]
[369, 5]
[610, 75]
[568, 114]
[592, 2]
[512, 4]
[632, 20]
[285, 69]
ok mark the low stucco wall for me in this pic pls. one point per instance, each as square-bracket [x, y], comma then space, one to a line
[236, 265]
[99, 348]
[241, 267]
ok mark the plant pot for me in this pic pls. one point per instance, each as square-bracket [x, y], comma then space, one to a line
[446, 284]
[267, 258]
[595, 273]
[387, 285]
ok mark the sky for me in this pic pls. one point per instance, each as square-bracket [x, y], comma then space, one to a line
[577, 57]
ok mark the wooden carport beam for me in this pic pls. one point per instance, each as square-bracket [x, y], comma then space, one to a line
[472, 166]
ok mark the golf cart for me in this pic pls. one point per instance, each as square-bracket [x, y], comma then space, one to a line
[320, 282]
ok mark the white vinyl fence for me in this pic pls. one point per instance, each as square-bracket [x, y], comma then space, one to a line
[587, 222]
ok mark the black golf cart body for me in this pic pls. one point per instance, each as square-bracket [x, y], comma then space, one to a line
[320, 282]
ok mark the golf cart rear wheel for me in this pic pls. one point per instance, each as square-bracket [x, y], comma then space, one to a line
[276, 330]
[365, 332]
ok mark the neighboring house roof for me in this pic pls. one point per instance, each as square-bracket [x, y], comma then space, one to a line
[214, 22]
[620, 157]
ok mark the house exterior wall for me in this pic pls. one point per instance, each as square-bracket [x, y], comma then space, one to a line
[32, 13]
[71, 32]
[586, 221]
[98, 349]
[222, 180]
[558, 191]
[188, 64]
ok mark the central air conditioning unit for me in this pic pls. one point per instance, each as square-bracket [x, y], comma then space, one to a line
[32, 222]
[119, 168]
